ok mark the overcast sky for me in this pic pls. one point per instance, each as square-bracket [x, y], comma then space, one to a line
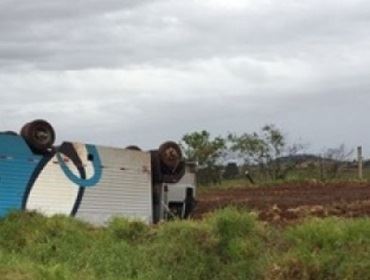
[119, 72]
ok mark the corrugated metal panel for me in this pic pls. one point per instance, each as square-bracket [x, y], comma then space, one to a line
[17, 164]
[124, 189]
[11, 145]
[53, 193]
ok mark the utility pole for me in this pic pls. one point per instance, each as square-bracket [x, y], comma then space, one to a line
[360, 162]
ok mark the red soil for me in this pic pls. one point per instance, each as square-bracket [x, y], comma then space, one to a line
[286, 204]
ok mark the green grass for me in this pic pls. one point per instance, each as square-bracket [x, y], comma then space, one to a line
[332, 248]
[228, 244]
[302, 176]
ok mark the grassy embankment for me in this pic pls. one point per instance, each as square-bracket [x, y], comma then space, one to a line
[228, 244]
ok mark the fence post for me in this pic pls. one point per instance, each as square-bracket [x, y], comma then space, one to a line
[321, 166]
[360, 162]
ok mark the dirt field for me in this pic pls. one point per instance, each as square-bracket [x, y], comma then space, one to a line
[289, 204]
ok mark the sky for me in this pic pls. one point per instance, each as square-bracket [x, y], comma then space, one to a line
[121, 72]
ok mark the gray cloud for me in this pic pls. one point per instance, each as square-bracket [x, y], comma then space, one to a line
[123, 72]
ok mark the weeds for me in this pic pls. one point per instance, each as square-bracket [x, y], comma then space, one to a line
[229, 244]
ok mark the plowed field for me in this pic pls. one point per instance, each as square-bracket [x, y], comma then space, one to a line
[290, 203]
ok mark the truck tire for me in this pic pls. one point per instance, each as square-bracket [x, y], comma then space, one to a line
[39, 135]
[170, 154]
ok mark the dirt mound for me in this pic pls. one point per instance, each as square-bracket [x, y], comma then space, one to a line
[289, 203]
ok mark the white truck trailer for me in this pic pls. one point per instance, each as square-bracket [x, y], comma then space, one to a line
[90, 182]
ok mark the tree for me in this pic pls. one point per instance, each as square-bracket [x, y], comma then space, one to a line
[201, 148]
[266, 150]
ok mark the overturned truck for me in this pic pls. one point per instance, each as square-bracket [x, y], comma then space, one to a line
[90, 182]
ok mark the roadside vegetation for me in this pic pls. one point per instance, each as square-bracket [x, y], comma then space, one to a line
[266, 157]
[228, 244]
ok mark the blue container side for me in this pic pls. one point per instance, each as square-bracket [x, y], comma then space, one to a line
[17, 165]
